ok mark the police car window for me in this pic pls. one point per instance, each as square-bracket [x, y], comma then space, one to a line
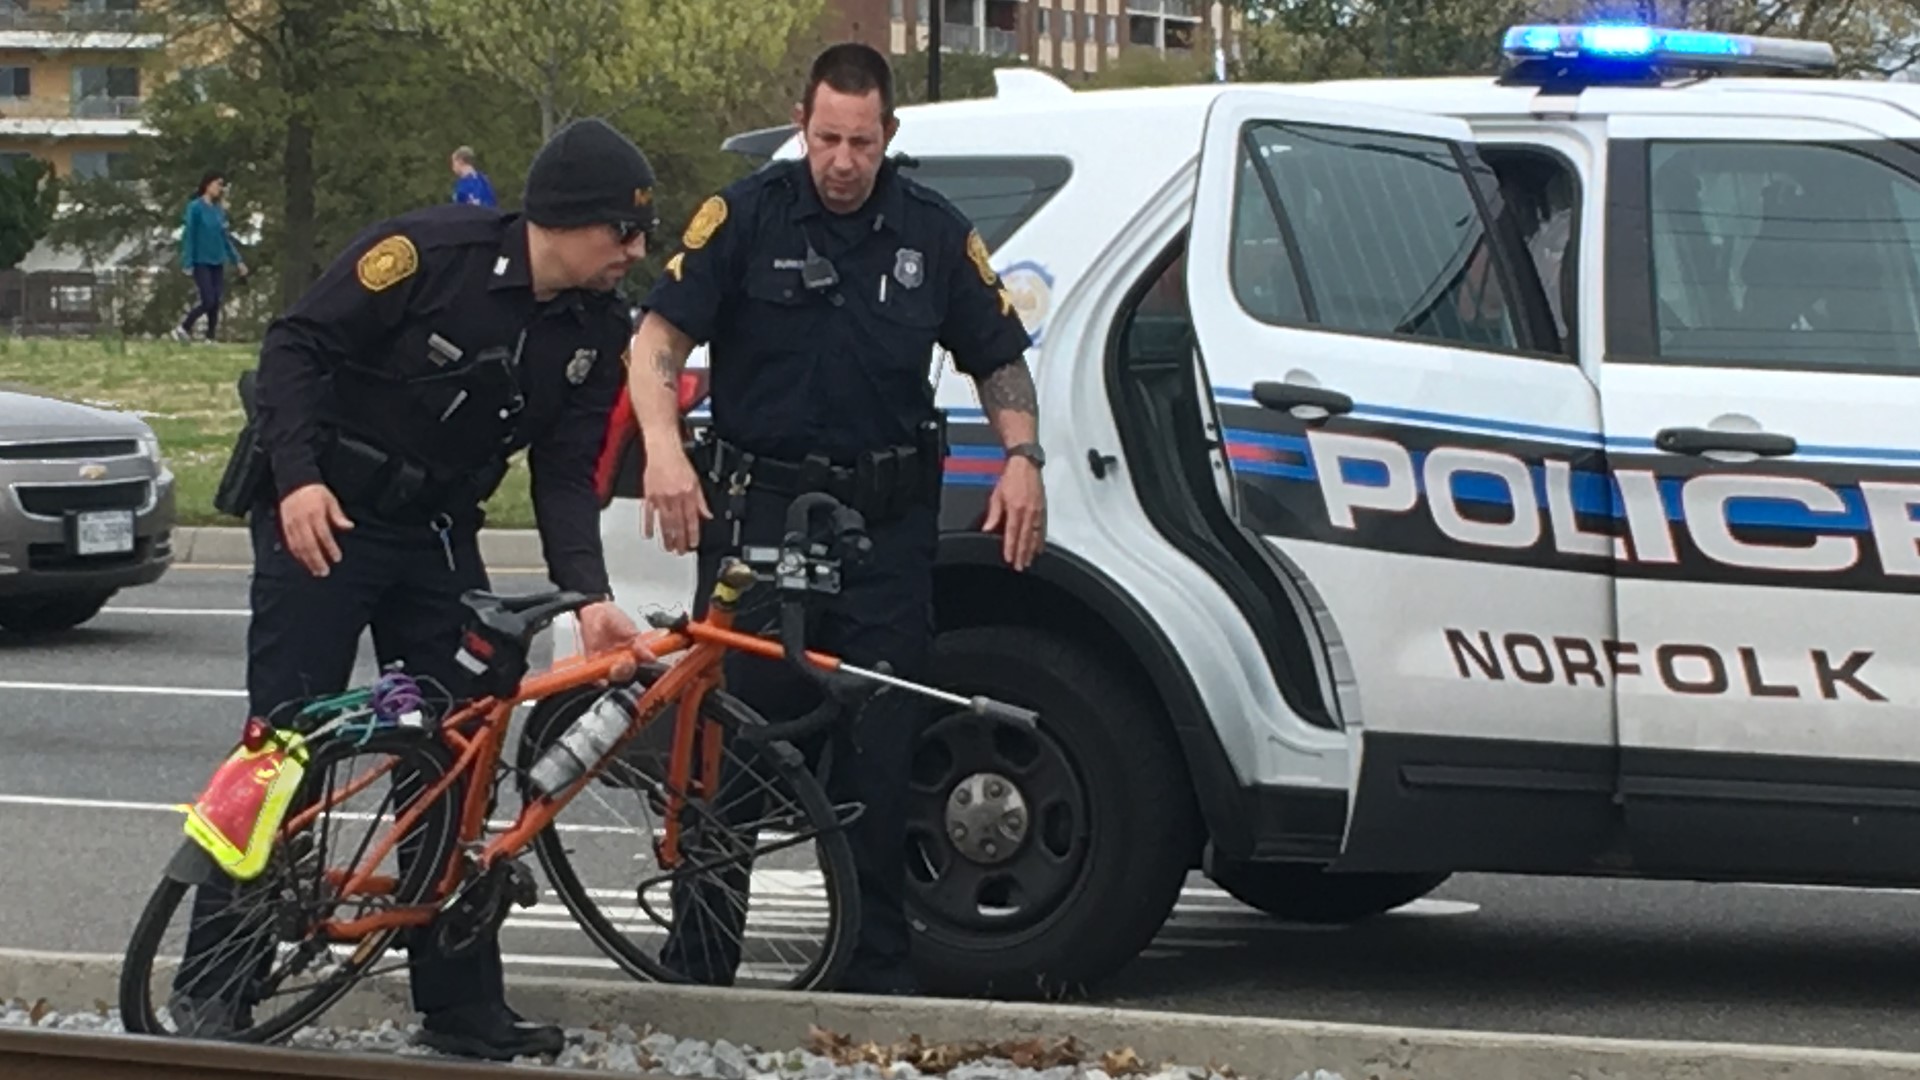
[998, 194]
[1784, 255]
[1383, 228]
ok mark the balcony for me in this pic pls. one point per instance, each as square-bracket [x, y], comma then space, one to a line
[101, 107]
[74, 21]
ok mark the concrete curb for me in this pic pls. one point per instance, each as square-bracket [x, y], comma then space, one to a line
[222, 545]
[1281, 1049]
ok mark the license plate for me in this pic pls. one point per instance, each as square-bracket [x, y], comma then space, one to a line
[103, 532]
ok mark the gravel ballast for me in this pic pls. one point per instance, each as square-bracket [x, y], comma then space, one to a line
[826, 1057]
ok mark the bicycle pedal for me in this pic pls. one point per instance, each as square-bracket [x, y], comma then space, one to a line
[521, 886]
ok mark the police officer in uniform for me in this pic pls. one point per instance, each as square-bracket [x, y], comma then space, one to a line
[389, 398]
[822, 286]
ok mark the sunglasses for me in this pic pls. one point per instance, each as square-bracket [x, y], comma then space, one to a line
[629, 231]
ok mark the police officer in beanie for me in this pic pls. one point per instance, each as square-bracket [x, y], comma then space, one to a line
[389, 398]
[822, 286]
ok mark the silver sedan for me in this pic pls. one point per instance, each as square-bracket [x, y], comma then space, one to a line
[86, 509]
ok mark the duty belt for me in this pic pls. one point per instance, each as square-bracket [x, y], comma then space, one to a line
[880, 484]
[399, 489]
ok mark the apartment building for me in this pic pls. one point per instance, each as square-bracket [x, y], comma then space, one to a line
[1069, 37]
[72, 73]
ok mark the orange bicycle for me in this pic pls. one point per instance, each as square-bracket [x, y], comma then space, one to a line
[737, 828]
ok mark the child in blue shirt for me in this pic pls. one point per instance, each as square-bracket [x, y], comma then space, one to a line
[470, 185]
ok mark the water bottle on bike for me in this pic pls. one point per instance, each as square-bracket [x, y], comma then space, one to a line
[586, 741]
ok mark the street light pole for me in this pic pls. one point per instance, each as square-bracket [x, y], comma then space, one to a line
[933, 49]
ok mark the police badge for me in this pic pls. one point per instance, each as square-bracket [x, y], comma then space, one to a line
[580, 365]
[909, 268]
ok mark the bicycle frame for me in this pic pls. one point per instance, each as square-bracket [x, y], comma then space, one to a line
[477, 732]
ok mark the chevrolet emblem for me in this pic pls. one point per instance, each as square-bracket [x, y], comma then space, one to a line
[92, 471]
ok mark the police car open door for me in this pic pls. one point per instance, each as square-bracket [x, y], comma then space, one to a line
[1761, 395]
[1410, 441]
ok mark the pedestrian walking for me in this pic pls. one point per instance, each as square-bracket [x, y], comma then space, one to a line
[206, 247]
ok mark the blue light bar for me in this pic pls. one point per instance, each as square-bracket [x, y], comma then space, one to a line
[1661, 47]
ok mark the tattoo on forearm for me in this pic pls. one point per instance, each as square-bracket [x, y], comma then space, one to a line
[667, 367]
[1010, 388]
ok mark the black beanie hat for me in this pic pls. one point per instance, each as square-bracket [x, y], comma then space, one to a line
[590, 174]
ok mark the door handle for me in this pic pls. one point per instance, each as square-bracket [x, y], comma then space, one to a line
[1285, 395]
[1693, 440]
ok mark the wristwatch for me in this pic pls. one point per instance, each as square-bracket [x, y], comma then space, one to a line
[1031, 451]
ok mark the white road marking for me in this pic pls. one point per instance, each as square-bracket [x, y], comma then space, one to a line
[107, 688]
[1428, 906]
[82, 804]
[173, 808]
[234, 612]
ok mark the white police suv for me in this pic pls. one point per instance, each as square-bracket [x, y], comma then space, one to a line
[1514, 475]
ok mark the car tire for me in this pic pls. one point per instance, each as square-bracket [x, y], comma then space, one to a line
[1112, 824]
[48, 615]
[1310, 893]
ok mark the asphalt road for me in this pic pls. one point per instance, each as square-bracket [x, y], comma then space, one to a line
[88, 777]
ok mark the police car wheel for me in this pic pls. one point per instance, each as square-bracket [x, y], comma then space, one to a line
[1041, 863]
[1309, 893]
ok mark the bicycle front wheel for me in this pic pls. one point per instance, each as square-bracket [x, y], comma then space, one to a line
[763, 894]
[213, 958]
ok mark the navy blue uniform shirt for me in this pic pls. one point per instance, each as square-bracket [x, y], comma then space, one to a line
[845, 368]
[385, 345]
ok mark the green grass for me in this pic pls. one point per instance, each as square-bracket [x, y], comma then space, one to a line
[186, 392]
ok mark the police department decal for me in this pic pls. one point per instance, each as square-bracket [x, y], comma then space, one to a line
[580, 365]
[909, 268]
[1030, 287]
[705, 223]
[387, 263]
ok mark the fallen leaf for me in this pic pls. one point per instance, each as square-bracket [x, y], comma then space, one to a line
[1122, 1062]
[40, 1009]
[827, 1044]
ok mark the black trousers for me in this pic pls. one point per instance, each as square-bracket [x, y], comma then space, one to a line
[884, 612]
[209, 280]
[302, 640]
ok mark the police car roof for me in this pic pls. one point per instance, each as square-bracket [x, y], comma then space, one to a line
[1029, 94]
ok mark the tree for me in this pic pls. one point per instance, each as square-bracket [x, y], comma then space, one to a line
[1315, 39]
[1145, 67]
[573, 58]
[294, 54]
[29, 193]
[962, 76]
[380, 135]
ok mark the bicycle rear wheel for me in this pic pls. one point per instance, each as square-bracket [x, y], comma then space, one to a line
[764, 895]
[214, 973]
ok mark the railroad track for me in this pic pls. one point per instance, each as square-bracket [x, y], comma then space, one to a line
[33, 1054]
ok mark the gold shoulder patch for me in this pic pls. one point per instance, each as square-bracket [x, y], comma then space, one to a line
[388, 263]
[705, 223]
[977, 251]
[674, 264]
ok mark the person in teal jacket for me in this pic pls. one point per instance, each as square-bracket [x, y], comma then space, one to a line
[205, 249]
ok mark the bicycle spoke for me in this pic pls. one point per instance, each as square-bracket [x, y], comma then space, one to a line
[746, 902]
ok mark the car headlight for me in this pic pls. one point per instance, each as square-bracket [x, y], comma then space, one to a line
[150, 446]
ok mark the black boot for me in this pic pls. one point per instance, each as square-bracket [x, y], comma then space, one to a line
[493, 1032]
